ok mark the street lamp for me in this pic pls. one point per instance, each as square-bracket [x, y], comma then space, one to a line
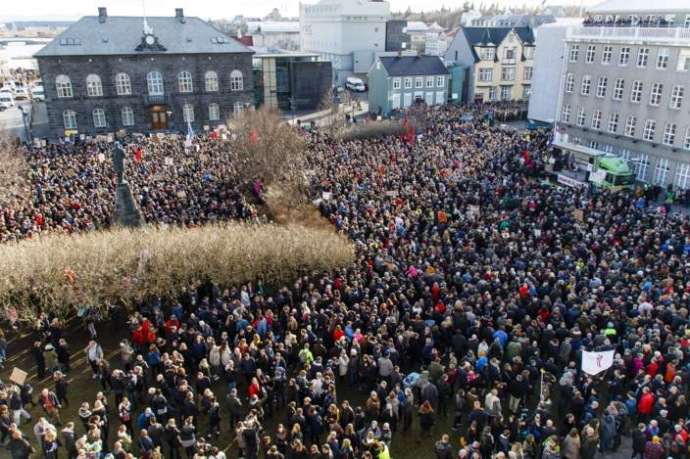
[169, 112]
[26, 126]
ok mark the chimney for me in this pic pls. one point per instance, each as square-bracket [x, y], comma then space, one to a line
[179, 14]
[102, 14]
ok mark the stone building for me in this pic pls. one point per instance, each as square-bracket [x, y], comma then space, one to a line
[105, 74]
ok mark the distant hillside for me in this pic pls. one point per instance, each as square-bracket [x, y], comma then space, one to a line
[446, 18]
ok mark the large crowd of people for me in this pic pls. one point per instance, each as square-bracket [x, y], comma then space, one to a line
[457, 333]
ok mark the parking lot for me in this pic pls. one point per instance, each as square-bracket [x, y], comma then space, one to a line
[12, 124]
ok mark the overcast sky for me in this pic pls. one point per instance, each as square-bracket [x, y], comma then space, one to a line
[214, 9]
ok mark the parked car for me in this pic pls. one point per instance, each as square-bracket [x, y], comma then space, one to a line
[21, 93]
[38, 94]
[355, 84]
[6, 99]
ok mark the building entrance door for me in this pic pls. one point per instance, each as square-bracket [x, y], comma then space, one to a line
[159, 117]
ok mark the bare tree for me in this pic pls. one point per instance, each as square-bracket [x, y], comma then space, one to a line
[268, 149]
[14, 172]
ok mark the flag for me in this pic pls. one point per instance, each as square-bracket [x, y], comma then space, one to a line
[137, 155]
[190, 131]
[253, 136]
[594, 363]
[405, 123]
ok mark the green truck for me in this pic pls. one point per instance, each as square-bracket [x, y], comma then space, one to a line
[602, 169]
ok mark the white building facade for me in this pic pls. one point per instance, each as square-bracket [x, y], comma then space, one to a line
[346, 32]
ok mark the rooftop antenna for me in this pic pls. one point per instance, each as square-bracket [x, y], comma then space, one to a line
[147, 29]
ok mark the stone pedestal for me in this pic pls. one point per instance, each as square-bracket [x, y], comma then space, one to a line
[126, 212]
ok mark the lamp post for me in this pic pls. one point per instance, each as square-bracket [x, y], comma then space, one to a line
[169, 112]
[27, 131]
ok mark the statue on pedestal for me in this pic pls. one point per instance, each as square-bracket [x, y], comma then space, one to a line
[126, 212]
[119, 157]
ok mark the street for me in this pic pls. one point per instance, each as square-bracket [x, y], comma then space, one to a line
[11, 120]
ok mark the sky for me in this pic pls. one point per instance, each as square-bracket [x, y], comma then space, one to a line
[211, 9]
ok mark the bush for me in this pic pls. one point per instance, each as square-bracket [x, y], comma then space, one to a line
[57, 273]
[372, 129]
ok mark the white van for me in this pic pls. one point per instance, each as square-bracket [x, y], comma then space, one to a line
[355, 84]
[6, 100]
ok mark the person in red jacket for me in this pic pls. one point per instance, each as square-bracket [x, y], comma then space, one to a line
[646, 404]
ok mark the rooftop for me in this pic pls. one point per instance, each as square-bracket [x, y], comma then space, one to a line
[641, 7]
[121, 35]
[413, 65]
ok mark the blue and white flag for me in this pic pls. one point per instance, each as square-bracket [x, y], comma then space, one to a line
[190, 131]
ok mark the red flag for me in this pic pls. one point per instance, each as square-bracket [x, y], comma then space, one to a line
[405, 123]
[137, 155]
[253, 136]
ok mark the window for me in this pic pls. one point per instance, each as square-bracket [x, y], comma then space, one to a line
[213, 112]
[606, 55]
[580, 117]
[440, 97]
[407, 100]
[682, 180]
[630, 123]
[527, 73]
[236, 81]
[649, 128]
[488, 54]
[529, 52]
[238, 109]
[686, 142]
[565, 115]
[188, 113]
[586, 83]
[123, 85]
[613, 122]
[211, 81]
[486, 74]
[493, 93]
[642, 57]
[660, 172]
[596, 120]
[526, 91]
[127, 116]
[655, 94]
[184, 82]
[440, 82]
[94, 88]
[506, 93]
[69, 119]
[429, 98]
[509, 54]
[396, 101]
[154, 81]
[683, 61]
[669, 136]
[508, 74]
[618, 87]
[574, 53]
[63, 85]
[624, 56]
[430, 82]
[677, 96]
[396, 83]
[662, 59]
[686, 24]
[601, 86]
[408, 83]
[641, 166]
[569, 82]
[636, 92]
[99, 118]
[590, 54]
[418, 82]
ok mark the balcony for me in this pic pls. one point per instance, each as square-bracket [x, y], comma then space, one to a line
[671, 35]
[162, 99]
[506, 61]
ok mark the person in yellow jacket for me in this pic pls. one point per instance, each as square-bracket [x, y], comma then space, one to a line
[383, 451]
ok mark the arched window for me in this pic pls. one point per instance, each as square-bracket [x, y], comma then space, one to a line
[188, 113]
[94, 88]
[213, 112]
[127, 116]
[236, 81]
[211, 81]
[238, 109]
[69, 119]
[99, 118]
[154, 81]
[64, 86]
[184, 82]
[123, 85]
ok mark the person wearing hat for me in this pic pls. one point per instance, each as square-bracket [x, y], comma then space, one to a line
[51, 358]
[654, 449]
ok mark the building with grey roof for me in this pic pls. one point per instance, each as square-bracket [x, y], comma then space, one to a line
[106, 74]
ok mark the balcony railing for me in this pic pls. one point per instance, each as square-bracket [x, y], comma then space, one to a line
[161, 99]
[667, 35]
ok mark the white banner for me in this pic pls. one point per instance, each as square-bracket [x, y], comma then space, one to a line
[594, 363]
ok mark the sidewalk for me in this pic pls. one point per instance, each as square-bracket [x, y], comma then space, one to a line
[323, 114]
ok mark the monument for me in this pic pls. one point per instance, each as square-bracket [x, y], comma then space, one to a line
[126, 212]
